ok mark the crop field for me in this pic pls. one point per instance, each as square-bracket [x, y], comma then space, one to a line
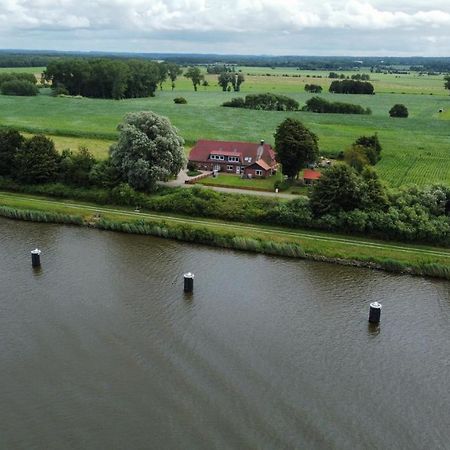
[415, 150]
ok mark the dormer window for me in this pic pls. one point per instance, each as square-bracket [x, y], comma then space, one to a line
[233, 158]
[217, 157]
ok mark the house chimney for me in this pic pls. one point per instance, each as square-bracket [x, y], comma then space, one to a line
[260, 150]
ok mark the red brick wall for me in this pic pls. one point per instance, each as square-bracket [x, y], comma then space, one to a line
[252, 172]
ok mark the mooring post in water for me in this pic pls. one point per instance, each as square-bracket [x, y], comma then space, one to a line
[375, 312]
[188, 282]
[36, 257]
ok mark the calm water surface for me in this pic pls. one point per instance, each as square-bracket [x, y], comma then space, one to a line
[102, 350]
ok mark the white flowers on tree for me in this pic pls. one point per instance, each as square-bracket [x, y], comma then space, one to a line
[149, 150]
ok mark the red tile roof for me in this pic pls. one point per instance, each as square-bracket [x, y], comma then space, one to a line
[309, 174]
[261, 163]
[203, 148]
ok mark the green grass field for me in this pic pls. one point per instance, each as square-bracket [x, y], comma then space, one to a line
[35, 70]
[415, 150]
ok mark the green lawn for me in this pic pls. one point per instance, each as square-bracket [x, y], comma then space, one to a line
[415, 150]
[35, 70]
[235, 181]
[98, 147]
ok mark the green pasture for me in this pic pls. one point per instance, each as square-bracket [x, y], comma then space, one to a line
[35, 70]
[415, 150]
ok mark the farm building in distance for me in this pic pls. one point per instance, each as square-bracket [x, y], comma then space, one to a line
[310, 176]
[242, 158]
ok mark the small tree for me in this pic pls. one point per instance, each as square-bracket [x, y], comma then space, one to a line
[11, 142]
[149, 149]
[338, 189]
[173, 70]
[195, 75]
[398, 110]
[372, 147]
[295, 146]
[223, 80]
[356, 157]
[19, 87]
[37, 161]
[237, 79]
[447, 82]
[313, 88]
[373, 191]
[75, 168]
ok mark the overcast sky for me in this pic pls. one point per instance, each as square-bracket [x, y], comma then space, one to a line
[278, 27]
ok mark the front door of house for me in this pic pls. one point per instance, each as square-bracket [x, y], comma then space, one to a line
[216, 167]
[238, 170]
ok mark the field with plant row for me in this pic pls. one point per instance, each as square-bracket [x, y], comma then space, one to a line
[415, 150]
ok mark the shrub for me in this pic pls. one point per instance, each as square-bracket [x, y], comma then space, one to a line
[237, 102]
[267, 102]
[60, 90]
[180, 100]
[399, 110]
[313, 88]
[283, 185]
[320, 105]
[191, 166]
[19, 87]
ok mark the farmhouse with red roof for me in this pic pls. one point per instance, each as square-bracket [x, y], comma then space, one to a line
[242, 158]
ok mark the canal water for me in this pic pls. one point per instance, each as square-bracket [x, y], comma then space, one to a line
[101, 349]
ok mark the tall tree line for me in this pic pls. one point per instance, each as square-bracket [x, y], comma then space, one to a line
[108, 78]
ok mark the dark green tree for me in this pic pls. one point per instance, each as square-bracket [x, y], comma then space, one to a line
[163, 73]
[295, 146]
[237, 79]
[37, 161]
[224, 79]
[195, 75]
[143, 78]
[399, 110]
[338, 189]
[313, 88]
[75, 168]
[173, 70]
[447, 82]
[374, 192]
[11, 142]
[372, 147]
[356, 157]
[19, 87]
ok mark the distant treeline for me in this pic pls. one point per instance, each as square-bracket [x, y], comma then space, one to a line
[320, 105]
[13, 60]
[266, 102]
[23, 58]
[105, 78]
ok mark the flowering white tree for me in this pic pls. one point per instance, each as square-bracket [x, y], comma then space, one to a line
[149, 149]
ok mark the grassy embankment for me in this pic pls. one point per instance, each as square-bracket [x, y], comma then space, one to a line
[420, 260]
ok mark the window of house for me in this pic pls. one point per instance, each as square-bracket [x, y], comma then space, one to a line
[258, 172]
[229, 167]
[233, 158]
